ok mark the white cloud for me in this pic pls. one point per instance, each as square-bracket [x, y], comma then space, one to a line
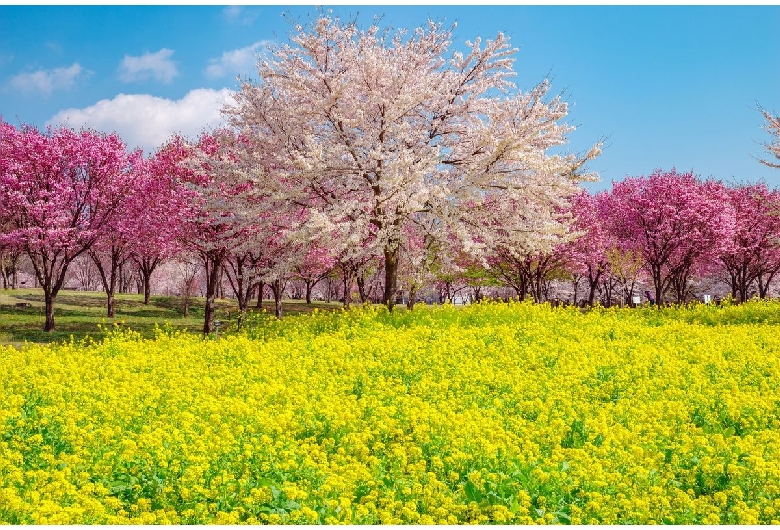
[149, 65]
[47, 81]
[236, 62]
[148, 121]
[56, 47]
[240, 15]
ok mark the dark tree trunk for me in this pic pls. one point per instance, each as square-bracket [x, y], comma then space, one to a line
[575, 283]
[51, 280]
[48, 298]
[109, 278]
[763, 286]
[593, 283]
[277, 287]
[361, 284]
[655, 271]
[260, 287]
[213, 261]
[121, 272]
[347, 275]
[146, 267]
[241, 282]
[309, 285]
[412, 296]
[391, 276]
[147, 286]
[4, 272]
[478, 293]
[220, 284]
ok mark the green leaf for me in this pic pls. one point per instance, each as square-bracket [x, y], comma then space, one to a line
[472, 493]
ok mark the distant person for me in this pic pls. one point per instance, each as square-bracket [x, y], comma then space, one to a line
[650, 297]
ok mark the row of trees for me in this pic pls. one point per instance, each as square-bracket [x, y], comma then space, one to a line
[365, 152]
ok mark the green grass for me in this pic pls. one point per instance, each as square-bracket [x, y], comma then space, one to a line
[80, 314]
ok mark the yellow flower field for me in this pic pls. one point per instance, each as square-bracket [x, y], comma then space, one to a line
[506, 413]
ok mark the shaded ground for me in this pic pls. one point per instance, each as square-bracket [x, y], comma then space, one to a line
[80, 314]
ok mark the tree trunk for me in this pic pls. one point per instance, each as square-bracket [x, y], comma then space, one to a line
[412, 296]
[361, 284]
[329, 294]
[146, 267]
[763, 286]
[593, 283]
[260, 287]
[108, 278]
[220, 292]
[213, 261]
[4, 271]
[347, 273]
[121, 281]
[309, 285]
[277, 287]
[659, 288]
[49, 297]
[575, 283]
[147, 280]
[391, 276]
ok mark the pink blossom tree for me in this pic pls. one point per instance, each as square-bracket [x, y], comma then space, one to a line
[209, 177]
[675, 221]
[116, 239]
[378, 127]
[10, 251]
[60, 189]
[753, 253]
[524, 239]
[317, 262]
[587, 255]
[158, 214]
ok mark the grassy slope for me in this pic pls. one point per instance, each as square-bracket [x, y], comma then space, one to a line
[78, 314]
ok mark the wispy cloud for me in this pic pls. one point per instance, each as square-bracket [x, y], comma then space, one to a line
[158, 66]
[240, 15]
[147, 121]
[47, 81]
[242, 61]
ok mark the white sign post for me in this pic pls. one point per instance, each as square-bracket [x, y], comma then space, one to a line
[707, 298]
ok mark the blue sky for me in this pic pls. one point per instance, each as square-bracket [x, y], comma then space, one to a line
[665, 85]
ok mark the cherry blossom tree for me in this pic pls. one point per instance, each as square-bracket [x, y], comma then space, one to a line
[10, 251]
[418, 260]
[316, 264]
[753, 253]
[524, 240]
[675, 221]
[60, 189]
[375, 127]
[772, 126]
[587, 255]
[117, 239]
[209, 178]
[158, 215]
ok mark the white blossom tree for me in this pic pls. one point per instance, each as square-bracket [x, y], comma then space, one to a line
[371, 127]
[772, 126]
